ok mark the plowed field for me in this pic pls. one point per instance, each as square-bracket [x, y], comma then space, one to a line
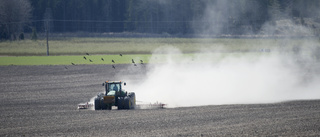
[42, 101]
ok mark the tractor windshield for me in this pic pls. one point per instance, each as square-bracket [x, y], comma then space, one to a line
[114, 87]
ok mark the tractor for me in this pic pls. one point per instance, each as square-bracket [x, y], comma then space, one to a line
[114, 95]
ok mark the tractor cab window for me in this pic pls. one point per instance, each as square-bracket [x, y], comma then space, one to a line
[114, 87]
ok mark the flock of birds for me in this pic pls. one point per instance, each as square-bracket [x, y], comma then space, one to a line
[112, 60]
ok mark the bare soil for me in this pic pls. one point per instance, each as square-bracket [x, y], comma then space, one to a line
[42, 101]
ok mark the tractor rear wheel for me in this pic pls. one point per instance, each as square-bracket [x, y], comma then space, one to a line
[120, 103]
[127, 103]
[132, 96]
[97, 104]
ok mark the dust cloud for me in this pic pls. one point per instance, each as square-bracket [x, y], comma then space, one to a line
[191, 81]
[213, 79]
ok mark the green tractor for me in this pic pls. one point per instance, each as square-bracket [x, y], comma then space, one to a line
[114, 96]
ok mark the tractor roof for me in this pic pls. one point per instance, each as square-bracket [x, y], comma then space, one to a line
[113, 81]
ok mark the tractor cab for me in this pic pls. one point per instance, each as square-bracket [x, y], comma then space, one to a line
[114, 88]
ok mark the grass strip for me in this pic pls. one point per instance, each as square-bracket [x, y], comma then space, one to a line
[68, 60]
[124, 59]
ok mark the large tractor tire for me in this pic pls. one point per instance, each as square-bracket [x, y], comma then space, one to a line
[97, 105]
[127, 103]
[132, 96]
[120, 103]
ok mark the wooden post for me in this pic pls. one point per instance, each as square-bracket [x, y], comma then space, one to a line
[47, 33]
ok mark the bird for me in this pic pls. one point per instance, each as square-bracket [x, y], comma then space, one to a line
[134, 64]
[87, 54]
[73, 63]
[85, 57]
[113, 67]
[65, 67]
[121, 55]
[90, 60]
[113, 61]
[141, 61]
[102, 59]
[132, 61]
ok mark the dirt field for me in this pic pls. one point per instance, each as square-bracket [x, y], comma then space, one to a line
[42, 101]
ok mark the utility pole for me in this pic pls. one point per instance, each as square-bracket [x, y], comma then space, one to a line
[47, 19]
[47, 33]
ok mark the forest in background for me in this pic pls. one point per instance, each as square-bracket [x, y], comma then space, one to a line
[166, 17]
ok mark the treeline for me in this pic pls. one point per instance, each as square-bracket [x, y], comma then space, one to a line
[163, 16]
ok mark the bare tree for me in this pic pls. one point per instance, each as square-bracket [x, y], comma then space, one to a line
[274, 9]
[14, 15]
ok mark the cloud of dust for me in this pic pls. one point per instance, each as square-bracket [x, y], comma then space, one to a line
[275, 77]
[232, 80]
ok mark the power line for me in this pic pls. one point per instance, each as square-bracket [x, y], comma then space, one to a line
[22, 22]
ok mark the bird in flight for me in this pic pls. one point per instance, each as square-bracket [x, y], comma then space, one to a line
[113, 61]
[102, 59]
[85, 57]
